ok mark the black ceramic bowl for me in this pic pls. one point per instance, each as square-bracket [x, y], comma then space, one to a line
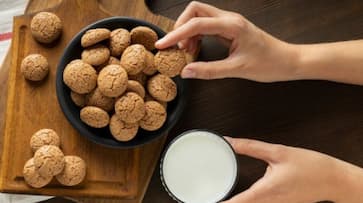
[71, 111]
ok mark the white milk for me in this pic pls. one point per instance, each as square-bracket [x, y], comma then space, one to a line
[199, 167]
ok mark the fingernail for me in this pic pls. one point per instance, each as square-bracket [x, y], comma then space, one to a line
[160, 41]
[187, 73]
[227, 138]
[181, 45]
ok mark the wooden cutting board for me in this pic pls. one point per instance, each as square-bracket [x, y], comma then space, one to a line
[111, 173]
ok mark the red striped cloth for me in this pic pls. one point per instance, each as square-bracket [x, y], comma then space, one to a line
[5, 36]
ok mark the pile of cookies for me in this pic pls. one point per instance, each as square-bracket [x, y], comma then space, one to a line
[49, 161]
[120, 83]
[46, 28]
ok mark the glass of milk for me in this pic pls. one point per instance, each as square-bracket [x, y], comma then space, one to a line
[199, 166]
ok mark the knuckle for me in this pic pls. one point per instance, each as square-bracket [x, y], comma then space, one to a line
[195, 22]
[280, 152]
[193, 5]
[238, 22]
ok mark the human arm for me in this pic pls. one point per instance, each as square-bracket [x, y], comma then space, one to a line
[256, 55]
[298, 175]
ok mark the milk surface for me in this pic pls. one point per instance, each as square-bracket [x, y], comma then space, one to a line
[199, 167]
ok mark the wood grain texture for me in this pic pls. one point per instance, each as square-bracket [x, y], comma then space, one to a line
[318, 115]
[31, 106]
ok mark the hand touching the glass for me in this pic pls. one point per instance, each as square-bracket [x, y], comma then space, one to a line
[298, 175]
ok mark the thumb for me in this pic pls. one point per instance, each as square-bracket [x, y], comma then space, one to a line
[207, 70]
[256, 149]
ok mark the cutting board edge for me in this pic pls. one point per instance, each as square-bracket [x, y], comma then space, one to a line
[164, 22]
[10, 98]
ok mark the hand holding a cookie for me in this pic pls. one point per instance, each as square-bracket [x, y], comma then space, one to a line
[298, 175]
[254, 54]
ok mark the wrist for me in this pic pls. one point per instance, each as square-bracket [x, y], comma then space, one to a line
[290, 55]
[348, 184]
[298, 61]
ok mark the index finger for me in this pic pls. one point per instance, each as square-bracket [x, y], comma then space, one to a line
[256, 149]
[196, 26]
[196, 9]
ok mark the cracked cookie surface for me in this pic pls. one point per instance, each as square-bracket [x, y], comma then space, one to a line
[49, 160]
[96, 98]
[130, 107]
[162, 88]
[32, 176]
[148, 97]
[34, 67]
[155, 116]
[121, 130]
[133, 59]
[145, 36]
[74, 171]
[44, 137]
[96, 55]
[46, 27]
[80, 77]
[120, 39]
[93, 36]
[94, 116]
[150, 68]
[112, 80]
[170, 62]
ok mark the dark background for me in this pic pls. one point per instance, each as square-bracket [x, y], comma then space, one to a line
[318, 115]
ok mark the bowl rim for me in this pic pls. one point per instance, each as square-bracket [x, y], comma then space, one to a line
[179, 109]
[217, 134]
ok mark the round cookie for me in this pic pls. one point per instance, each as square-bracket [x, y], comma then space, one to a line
[78, 99]
[150, 68]
[34, 67]
[119, 40]
[133, 59]
[32, 176]
[121, 130]
[96, 55]
[162, 88]
[140, 77]
[113, 60]
[155, 116]
[148, 97]
[45, 27]
[94, 116]
[93, 36]
[112, 81]
[170, 62]
[145, 36]
[134, 86]
[96, 98]
[80, 77]
[130, 107]
[49, 160]
[74, 171]
[44, 137]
